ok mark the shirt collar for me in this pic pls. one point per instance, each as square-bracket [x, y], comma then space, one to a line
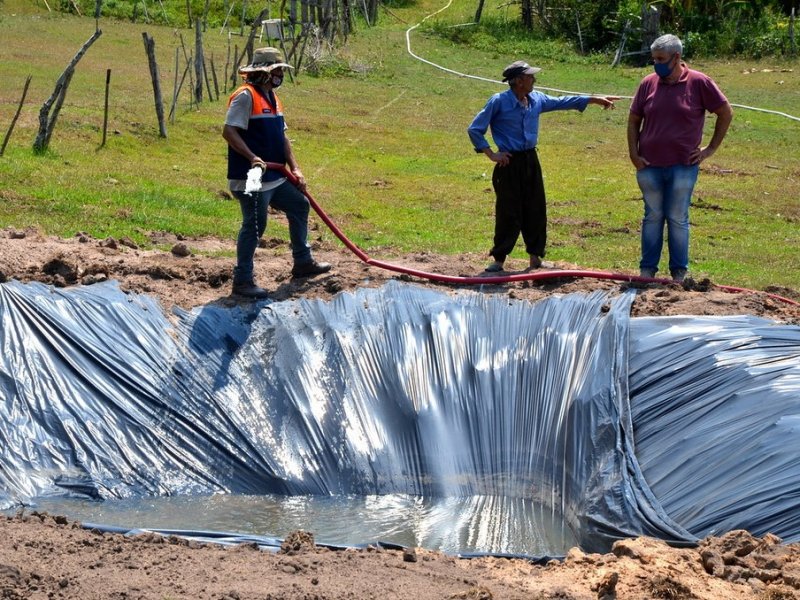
[518, 102]
[681, 79]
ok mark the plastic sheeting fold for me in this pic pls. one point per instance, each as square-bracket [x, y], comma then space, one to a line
[667, 427]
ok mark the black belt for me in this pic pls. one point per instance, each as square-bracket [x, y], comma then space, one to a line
[523, 152]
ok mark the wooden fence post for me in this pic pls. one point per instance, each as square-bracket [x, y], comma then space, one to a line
[48, 118]
[174, 90]
[105, 108]
[621, 47]
[235, 67]
[150, 48]
[244, 15]
[478, 11]
[198, 61]
[208, 83]
[578, 25]
[227, 63]
[177, 92]
[214, 76]
[251, 38]
[16, 114]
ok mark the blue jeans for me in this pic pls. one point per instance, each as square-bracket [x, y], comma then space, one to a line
[287, 198]
[667, 193]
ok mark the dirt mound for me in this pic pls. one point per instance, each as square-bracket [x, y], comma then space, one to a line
[194, 272]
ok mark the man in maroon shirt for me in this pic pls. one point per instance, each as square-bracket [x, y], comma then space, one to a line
[665, 133]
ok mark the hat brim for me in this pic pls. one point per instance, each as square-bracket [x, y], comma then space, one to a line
[264, 68]
[528, 71]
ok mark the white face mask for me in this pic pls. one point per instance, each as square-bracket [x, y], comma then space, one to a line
[276, 80]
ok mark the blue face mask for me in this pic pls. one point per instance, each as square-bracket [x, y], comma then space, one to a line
[663, 69]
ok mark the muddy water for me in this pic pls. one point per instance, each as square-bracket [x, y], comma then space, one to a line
[454, 525]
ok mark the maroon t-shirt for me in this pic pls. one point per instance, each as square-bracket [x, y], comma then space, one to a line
[674, 115]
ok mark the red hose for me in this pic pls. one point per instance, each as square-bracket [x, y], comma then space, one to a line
[533, 276]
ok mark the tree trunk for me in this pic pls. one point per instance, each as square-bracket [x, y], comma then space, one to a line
[205, 15]
[150, 48]
[527, 14]
[651, 16]
[373, 11]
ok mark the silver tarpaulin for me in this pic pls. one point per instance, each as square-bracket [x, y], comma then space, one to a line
[671, 427]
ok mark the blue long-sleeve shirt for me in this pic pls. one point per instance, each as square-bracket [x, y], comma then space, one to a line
[515, 127]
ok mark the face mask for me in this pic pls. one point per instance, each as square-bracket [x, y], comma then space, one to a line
[276, 81]
[258, 78]
[663, 69]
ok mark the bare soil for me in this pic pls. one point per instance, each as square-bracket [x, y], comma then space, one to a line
[195, 272]
[43, 556]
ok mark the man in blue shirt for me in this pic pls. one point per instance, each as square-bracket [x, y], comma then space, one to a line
[513, 116]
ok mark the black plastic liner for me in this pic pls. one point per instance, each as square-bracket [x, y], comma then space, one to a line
[669, 427]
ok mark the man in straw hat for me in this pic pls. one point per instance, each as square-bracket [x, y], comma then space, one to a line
[513, 116]
[255, 132]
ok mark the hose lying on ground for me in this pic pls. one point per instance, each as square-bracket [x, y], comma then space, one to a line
[531, 276]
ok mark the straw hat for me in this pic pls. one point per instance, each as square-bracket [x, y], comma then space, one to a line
[265, 59]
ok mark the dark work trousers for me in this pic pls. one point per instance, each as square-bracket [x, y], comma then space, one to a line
[520, 205]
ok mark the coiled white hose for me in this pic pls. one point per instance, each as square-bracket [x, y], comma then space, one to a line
[453, 72]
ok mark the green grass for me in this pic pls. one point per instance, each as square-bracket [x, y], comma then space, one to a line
[382, 140]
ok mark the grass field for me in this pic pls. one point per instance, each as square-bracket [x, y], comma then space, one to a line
[383, 144]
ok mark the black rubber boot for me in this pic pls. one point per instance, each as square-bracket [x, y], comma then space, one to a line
[248, 289]
[309, 269]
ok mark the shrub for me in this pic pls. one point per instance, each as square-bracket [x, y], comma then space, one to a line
[738, 34]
